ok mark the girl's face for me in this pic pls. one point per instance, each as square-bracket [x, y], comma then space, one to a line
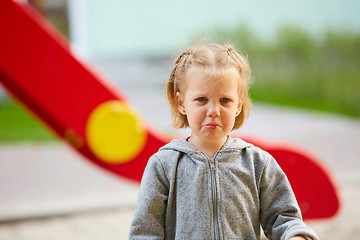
[210, 105]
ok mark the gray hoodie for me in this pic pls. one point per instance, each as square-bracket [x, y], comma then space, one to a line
[186, 195]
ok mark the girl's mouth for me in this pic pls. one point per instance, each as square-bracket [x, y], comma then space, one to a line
[211, 126]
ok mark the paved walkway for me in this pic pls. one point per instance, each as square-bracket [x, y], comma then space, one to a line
[47, 191]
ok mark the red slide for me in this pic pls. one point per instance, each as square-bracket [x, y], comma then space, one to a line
[37, 67]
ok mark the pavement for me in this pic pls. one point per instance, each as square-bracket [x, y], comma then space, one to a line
[48, 191]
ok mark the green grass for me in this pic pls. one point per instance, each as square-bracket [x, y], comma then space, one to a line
[18, 124]
[301, 70]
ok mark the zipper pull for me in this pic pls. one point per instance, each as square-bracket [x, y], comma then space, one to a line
[212, 167]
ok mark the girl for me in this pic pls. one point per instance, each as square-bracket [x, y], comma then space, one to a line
[212, 186]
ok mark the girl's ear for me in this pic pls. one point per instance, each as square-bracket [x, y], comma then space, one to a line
[239, 108]
[180, 103]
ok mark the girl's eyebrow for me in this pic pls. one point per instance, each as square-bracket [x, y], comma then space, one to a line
[228, 94]
[197, 92]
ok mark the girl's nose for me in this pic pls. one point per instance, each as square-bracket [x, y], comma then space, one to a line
[213, 110]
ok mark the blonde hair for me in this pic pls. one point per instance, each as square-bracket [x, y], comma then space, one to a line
[216, 60]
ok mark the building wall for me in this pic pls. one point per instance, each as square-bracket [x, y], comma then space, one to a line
[117, 28]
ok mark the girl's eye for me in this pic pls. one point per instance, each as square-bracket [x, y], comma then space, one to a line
[225, 100]
[201, 99]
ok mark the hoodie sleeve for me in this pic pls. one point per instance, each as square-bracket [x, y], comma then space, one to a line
[280, 213]
[148, 221]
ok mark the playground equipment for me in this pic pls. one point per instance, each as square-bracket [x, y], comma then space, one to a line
[38, 68]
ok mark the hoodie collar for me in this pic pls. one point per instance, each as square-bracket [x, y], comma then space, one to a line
[184, 146]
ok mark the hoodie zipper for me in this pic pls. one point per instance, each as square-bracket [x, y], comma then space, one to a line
[214, 198]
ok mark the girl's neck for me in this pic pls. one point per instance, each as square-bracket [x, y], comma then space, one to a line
[207, 147]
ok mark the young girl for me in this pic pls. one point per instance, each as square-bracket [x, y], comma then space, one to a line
[212, 186]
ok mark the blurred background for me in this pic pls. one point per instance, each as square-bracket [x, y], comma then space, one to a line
[305, 58]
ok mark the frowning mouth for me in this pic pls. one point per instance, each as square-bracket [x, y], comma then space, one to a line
[211, 126]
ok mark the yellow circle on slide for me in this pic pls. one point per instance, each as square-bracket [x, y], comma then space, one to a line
[115, 133]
